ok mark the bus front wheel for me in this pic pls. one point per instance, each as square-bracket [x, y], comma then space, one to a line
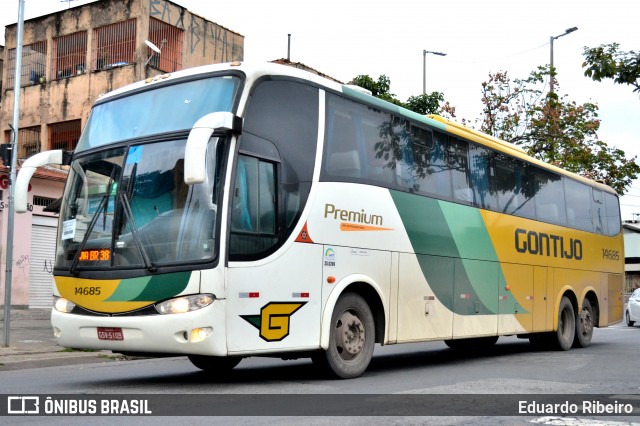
[584, 325]
[219, 364]
[351, 338]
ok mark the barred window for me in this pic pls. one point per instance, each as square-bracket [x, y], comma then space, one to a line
[34, 57]
[114, 45]
[69, 55]
[169, 40]
[28, 141]
[64, 135]
[39, 200]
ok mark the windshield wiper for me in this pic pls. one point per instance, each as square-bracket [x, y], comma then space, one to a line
[126, 206]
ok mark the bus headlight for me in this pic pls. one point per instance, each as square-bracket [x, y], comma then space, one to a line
[63, 305]
[184, 304]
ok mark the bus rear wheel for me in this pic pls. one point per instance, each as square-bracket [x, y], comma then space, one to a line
[584, 325]
[351, 338]
[214, 364]
[566, 325]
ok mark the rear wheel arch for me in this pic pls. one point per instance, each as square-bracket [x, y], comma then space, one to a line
[595, 305]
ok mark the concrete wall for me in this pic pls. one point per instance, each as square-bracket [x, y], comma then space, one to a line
[22, 235]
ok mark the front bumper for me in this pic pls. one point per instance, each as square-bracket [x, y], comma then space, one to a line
[161, 334]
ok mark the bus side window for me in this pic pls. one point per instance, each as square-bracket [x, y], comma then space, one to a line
[343, 158]
[513, 185]
[612, 209]
[549, 197]
[423, 169]
[253, 208]
[483, 176]
[458, 163]
[597, 211]
[578, 203]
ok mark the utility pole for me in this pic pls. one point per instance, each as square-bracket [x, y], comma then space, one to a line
[12, 174]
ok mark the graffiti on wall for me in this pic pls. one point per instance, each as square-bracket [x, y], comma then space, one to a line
[48, 266]
[23, 263]
[201, 34]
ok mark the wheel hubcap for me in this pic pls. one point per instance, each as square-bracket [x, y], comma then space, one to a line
[586, 322]
[349, 335]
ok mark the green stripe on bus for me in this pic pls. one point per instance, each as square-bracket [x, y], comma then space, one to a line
[150, 289]
[164, 286]
[454, 251]
[129, 289]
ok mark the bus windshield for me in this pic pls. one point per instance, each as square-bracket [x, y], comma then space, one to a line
[163, 109]
[129, 207]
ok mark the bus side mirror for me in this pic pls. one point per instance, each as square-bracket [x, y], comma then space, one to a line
[194, 156]
[27, 170]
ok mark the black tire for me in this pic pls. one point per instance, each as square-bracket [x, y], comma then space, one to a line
[214, 364]
[566, 331]
[351, 340]
[628, 318]
[584, 325]
[474, 343]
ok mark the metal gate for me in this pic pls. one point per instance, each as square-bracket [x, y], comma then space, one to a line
[43, 249]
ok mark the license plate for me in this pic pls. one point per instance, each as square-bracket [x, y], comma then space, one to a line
[110, 333]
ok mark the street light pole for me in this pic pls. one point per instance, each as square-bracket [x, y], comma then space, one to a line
[12, 176]
[424, 68]
[551, 69]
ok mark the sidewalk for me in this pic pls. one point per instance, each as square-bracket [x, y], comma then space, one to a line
[32, 345]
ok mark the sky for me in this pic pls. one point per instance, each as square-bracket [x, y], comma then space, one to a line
[352, 37]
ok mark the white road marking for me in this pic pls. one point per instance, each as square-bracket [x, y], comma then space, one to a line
[574, 421]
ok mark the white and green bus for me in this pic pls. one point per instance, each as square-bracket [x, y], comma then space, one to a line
[234, 210]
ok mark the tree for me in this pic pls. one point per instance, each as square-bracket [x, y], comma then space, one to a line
[552, 128]
[421, 104]
[608, 61]
[427, 103]
[379, 89]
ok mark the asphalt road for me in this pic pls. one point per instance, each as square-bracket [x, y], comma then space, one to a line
[397, 373]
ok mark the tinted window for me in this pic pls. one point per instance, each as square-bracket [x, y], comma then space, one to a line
[458, 163]
[361, 143]
[281, 122]
[549, 197]
[578, 205]
[424, 169]
[514, 187]
[598, 214]
[613, 214]
[253, 207]
[482, 174]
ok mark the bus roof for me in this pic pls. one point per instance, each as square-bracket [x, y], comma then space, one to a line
[254, 71]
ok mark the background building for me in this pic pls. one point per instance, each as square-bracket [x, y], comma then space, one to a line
[69, 58]
[631, 231]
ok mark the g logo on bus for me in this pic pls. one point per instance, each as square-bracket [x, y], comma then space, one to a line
[273, 321]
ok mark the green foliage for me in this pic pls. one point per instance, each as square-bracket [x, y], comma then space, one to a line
[608, 62]
[379, 89]
[421, 104]
[427, 103]
[552, 128]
